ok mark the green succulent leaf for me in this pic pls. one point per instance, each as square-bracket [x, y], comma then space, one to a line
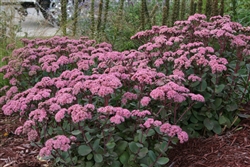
[124, 158]
[162, 160]
[76, 132]
[98, 158]
[110, 145]
[115, 164]
[209, 124]
[203, 85]
[143, 152]
[89, 157]
[219, 88]
[222, 120]
[96, 143]
[121, 146]
[232, 107]
[133, 147]
[84, 150]
[151, 132]
[152, 155]
[216, 128]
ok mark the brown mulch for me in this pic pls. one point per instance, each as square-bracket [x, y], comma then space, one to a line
[231, 149]
[16, 151]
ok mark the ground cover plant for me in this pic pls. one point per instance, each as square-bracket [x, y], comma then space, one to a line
[85, 103]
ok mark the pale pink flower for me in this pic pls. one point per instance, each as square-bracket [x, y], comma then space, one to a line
[45, 151]
[194, 78]
[182, 136]
[238, 41]
[145, 101]
[197, 97]
[61, 142]
[148, 122]
[174, 130]
[19, 130]
[31, 73]
[143, 75]
[140, 114]
[90, 107]
[11, 91]
[32, 135]
[165, 128]
[106, 110]
[171, 94]
[37, 97]
[60, 83]
[178, 72]
[210, 49]
[157, 123]
[11, 106]
[72, 138]
[79, 113]
[158, 62]
[65, 98]
[77, 87]
[44, 93]
[117, 119]
[62, 60]
[54, 107]
[223, 61]
[122, 112]
[60, 115]
[2, 100]
[104, 91]
[38, 115]
[157, 93]
[128, 96]
[27, 126]
[217, 67]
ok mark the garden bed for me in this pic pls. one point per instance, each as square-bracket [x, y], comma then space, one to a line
[231, 149]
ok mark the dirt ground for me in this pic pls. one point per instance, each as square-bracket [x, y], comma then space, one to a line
[232, 149]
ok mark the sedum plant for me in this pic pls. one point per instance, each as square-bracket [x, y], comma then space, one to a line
[84, 104]
[212, 57]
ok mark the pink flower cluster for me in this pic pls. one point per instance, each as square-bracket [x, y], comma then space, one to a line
[172, 130]
[78, 112]
[103, 85]
[171, 91]
[38, 115]
[144, 76]
[151, 122]
[128, 96]
[145, 101]
[196, 37]
[118, 114]
[60, 142]
[27, 129]
[140, 114]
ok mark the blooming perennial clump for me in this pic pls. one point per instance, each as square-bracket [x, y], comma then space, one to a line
[85, 99]
[172, 130]
[60, 142]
